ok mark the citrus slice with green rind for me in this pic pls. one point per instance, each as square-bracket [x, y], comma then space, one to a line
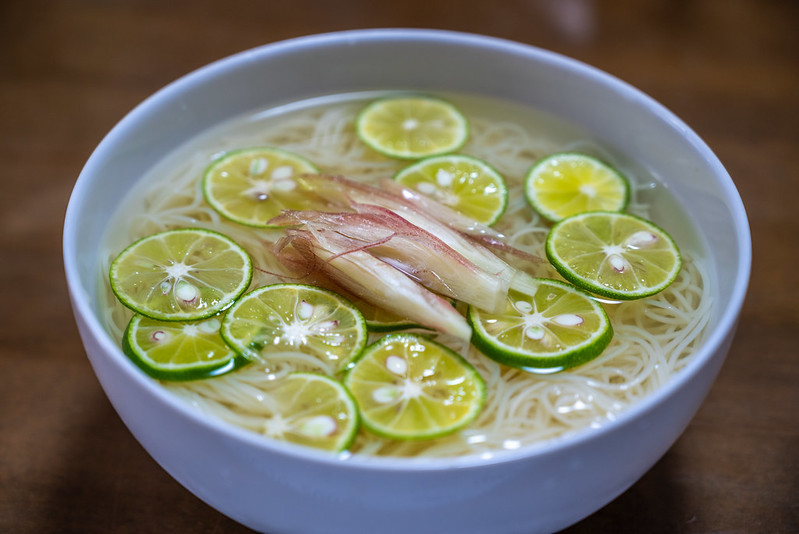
[313, 410]
[381, 320]
[409, 387]
[412, 127]
[567, 183]
[547, 327]
[296, 318]
[181, 275]
[251, 186]
[466, 184]
[615, 255]
[171, 350]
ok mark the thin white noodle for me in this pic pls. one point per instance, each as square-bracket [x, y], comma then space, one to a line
[654, 337]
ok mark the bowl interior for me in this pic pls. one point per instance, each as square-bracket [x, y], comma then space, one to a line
[294, 70]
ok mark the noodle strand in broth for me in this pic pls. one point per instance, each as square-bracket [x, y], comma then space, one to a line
[654, 337]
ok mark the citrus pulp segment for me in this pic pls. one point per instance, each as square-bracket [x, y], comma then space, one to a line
[296, 318]
[548, 327]
[181, 275]
[412, 127]
[410, 387]
[616, 255]
[312, 410]
[567, 183]
[252, 185]
[171, 350]
[466, 184]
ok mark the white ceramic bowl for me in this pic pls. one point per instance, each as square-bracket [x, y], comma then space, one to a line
[273, 487]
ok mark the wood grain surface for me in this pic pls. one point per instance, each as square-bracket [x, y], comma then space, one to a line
[70, 69]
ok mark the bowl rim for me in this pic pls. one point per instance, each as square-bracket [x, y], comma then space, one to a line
[724, 329]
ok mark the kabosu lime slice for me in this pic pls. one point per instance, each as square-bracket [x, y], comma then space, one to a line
[295, 317]
[313, 410]
[251, 186]
[615, 255]
[381, 320]
[547, 327]
[412, 127]
[466, 184]
[181, 275]
[170, 350]
[564, 184]
[410, 387]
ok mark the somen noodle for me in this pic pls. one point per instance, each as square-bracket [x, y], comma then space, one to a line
[654, 337]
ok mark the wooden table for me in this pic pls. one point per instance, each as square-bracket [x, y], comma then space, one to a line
[70, 69]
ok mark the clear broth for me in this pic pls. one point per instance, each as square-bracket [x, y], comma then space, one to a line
[654, 339]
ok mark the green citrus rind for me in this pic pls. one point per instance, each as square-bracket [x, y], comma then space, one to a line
[179, 351]
[250, 186]
[567, 183]
[400, 384]
[466, 184]
[600, 253]
[315, 411]
[181, 275]
[380, 320]
[380, 126]
[549, 327]
[296, 317]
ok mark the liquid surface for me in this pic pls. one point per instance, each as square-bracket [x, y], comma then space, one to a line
[653, 339]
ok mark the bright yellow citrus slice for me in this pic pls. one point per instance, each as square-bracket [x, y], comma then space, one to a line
[547, 327]
[252, 185]
[412, 127]
[466, 184]
[616, 255]
[296, 317]
[410, 387]
[181, 275]
[313, 410]
[567, 183]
